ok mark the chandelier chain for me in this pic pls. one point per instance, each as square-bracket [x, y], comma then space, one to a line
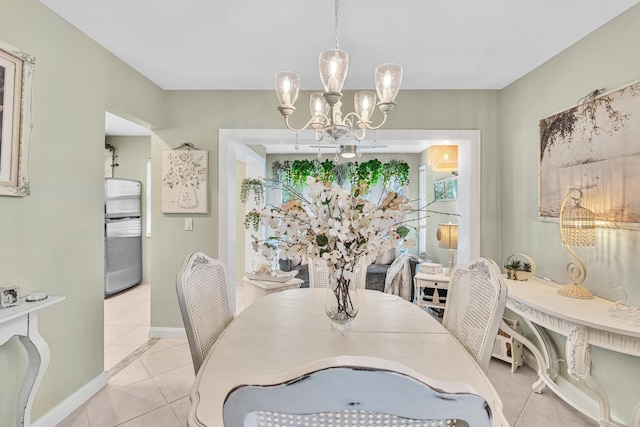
[336, 18]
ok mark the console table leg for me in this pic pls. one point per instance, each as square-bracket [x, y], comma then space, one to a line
[579, 368]
[39, 353]
[543, 361]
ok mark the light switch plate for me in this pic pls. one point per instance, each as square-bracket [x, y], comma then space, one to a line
[188, 224]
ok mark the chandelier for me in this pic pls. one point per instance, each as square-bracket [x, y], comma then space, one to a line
[326, 107]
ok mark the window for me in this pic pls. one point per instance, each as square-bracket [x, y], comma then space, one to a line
[446, 189]
[148, 201]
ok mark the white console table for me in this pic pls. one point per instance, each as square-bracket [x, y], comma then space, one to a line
[22, 321]
[585, 323]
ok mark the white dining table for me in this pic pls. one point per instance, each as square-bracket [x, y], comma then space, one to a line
[289, 329]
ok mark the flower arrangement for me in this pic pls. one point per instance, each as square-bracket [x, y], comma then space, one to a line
[339, 227]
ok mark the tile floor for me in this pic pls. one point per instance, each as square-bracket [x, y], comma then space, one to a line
[151, 387]
[127, 317]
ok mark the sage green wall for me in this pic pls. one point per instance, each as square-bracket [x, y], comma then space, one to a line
[133, 152]
[52, 240]
[197, 116]
[605, 59]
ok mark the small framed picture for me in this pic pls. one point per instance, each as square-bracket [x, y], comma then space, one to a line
[9, 296]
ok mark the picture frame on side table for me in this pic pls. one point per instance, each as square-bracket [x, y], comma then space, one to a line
[17, 70]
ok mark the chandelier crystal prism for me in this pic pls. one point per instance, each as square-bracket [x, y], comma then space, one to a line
[326, 107]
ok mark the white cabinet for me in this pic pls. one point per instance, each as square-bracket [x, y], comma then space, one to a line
[430, 292]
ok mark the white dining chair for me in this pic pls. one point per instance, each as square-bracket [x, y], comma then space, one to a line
[203, 296]
[476, 298]
[354, 391]
[319, 273]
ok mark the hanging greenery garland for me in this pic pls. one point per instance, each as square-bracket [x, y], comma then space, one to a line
[362, 175]
[252, 185]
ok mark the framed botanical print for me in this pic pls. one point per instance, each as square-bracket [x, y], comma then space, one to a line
[184, 180]
[16, 80]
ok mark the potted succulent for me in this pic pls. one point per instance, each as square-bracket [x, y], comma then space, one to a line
[519, 267]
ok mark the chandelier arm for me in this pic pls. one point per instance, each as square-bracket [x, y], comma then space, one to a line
[360, 137]
[310, 123]
[366, 125]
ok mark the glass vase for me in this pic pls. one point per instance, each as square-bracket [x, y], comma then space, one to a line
[341, 303]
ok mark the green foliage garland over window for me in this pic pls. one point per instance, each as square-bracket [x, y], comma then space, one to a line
[361, 175]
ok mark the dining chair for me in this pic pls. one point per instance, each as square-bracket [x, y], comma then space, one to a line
[476, 298]
[203, 295]
[354, 391]
[319, 273]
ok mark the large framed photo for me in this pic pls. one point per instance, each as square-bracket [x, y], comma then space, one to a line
[16, 84]
[184, 180]
[595, 147]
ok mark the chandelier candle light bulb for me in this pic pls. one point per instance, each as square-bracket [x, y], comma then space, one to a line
[286, 89]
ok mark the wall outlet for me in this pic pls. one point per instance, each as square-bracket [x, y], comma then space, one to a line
[188, 224]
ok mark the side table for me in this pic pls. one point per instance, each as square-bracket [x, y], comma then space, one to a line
[438, 282]
[22, 321]
[256, 289]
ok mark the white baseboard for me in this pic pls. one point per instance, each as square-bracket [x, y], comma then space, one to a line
[167, 333]
[72, 402]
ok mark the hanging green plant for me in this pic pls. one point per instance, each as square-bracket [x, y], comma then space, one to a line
[251, 185]
[362, 176]
[301, 170]
[395, 172]
[252, 219]
[341, 173]
[325, 172]
[282, 171]
[114, 156]
[368, 174]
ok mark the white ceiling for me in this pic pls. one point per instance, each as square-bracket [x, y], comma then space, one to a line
[117, 126]
[241, 44]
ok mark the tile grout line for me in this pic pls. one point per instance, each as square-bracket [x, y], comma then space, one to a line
[132, 357]
[524, 407]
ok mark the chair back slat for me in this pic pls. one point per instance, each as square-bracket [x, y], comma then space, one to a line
[476, 299]
[203, 296]
[319, 273]
[358, 392]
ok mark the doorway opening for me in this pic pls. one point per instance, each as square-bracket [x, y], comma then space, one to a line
[230, 141]
[127, 312]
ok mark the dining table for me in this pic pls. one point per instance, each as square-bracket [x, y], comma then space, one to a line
[289, 329]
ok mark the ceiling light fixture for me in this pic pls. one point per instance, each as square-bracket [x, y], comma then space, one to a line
[443, 158]
[348, 151]
[326, 113]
